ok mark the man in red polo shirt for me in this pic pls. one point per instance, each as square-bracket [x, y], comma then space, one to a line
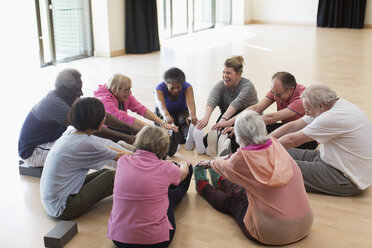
[285, 92]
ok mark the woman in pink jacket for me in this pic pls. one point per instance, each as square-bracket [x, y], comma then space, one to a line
[116, 96]
[260, 185]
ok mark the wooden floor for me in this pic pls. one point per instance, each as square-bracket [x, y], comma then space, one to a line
[341, 58]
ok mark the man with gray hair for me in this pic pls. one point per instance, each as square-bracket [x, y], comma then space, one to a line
[47, 120]
[343, 165]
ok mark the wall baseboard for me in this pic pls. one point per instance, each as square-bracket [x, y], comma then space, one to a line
[280, 22]
[117, 53]
[109, 54]
[366, 25]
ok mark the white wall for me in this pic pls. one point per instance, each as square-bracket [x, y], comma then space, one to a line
[241, 11]
[289, 11]
[108, 27]
[109, 18]
[368, 17]
[116, 10]
[285, 11]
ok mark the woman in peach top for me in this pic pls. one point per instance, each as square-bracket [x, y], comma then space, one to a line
[260, 185]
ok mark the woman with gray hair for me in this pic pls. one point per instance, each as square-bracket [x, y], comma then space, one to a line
[143, 199]
[260, 185]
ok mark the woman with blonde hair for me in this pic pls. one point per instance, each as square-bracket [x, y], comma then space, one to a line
[260, 185]
[232, 95]
[116, 96]
[143, 201]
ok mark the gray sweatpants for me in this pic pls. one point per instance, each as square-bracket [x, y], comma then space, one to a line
[320, 177]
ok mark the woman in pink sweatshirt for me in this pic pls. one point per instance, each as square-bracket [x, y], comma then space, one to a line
[260, 185]
[117, 98]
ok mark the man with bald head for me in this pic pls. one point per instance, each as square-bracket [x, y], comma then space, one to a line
[285, 92]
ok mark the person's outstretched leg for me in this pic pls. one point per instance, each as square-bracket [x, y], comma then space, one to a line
[175, 140]
[175, 194]
[180, 118]
[98, 185]
[231, 188]
[320, 177]
[234, 205]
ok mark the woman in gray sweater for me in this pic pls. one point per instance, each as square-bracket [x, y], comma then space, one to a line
[232, 95]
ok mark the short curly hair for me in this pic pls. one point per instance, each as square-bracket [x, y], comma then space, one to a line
[153, 139]
[174, 75]
[68, 78]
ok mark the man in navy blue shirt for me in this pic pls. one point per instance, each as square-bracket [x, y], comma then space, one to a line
[47, 120]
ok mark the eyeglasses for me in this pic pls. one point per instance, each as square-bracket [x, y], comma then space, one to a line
[278, 94]
[127, 90]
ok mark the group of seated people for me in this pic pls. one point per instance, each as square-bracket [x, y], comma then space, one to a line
[261, 166]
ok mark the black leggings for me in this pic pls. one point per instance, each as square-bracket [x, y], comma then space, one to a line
[179, 118]
[175, 195]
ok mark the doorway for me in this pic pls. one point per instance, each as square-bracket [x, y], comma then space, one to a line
[181, 17]
[64, 30]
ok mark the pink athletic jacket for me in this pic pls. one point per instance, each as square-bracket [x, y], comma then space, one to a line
[112, 105]
[279, 211]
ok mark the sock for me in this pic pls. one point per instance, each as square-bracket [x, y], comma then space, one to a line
[200, 185]
[220, 181]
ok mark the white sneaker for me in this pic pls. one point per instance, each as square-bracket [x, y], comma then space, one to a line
[189, 144]
[198, 139]
[226, 148]
[127, 146]
[221, 141]
[212, 143]
[207, 151]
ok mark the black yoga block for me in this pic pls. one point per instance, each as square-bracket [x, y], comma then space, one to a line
[63, 232]
[29, 171]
